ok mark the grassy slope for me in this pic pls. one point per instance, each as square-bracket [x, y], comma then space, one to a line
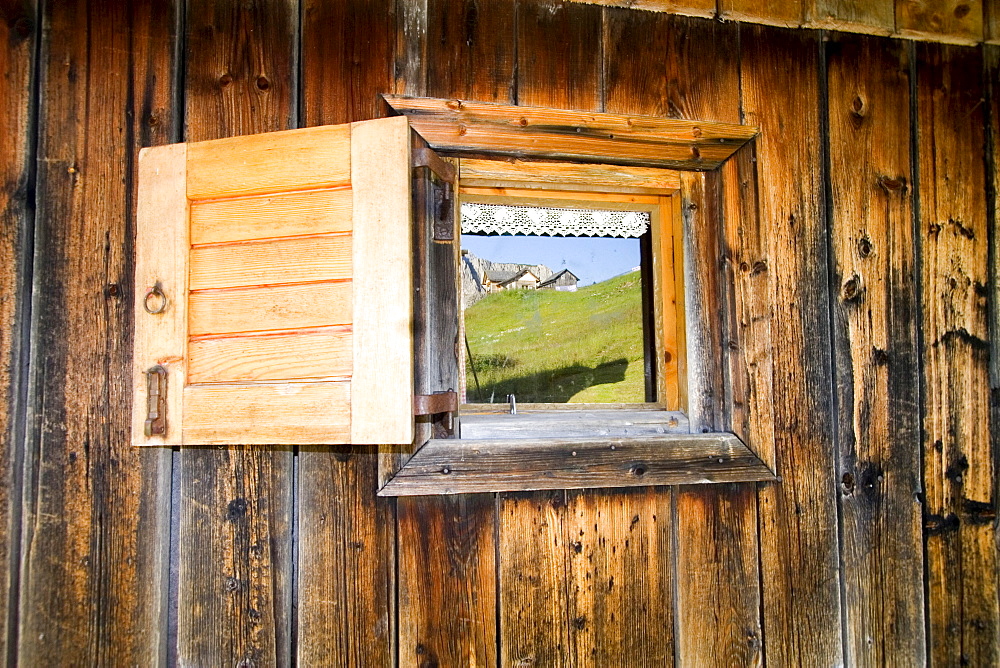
[544, 345]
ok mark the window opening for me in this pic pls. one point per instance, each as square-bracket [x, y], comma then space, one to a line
[563, 300]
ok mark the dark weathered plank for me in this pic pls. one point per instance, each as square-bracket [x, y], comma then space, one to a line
[18, 34]
[447, 581]
[991, 55]
[536, 132]
[234, 589]
[958, 21]
[875, 347]
[346, 535]
[95, 529]
[346, 61]
[558, 55]
[456, 466]
[470, 49]
[959, 465]
[620, 578]
[865, 16]
[346, 563]
[798, 517]
[715, 526]
[534, 601]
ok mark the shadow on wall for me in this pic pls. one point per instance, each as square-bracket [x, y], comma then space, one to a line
[555, 386]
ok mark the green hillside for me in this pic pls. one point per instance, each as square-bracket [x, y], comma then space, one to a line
[556, 347]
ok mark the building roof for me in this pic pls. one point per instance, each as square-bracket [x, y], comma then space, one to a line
[555, 277]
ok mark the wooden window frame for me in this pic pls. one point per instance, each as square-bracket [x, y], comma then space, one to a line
[462, 129]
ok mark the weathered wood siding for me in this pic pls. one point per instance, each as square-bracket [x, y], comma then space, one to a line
[852, 302]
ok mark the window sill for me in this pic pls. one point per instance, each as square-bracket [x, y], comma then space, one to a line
[509, 453]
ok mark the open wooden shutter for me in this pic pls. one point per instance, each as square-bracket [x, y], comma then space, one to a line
[274, 285]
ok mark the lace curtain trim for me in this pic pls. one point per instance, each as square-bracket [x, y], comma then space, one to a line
[503, 219]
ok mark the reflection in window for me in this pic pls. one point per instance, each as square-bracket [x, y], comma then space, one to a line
[553, 319]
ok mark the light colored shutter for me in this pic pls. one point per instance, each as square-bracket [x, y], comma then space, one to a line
[284, 260]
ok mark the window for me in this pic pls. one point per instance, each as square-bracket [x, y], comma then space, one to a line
[307, 293]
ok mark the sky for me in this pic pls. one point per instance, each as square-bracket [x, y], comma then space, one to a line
[592, 259]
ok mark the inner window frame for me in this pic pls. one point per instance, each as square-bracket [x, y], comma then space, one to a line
[663, 302]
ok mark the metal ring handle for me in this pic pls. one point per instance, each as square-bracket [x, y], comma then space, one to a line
[155, 291]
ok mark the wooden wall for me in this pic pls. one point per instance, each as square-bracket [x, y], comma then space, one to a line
[865, 302]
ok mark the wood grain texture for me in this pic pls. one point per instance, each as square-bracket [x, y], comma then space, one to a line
[263, 413]
[19, 35]
[346, 59]
[715, 526]
[272, 262]
[558, 55]
[959, 463]
[704, 8]
[271, 162]
[875, 344]
[318, 353]
[991, 56]
[784, 13]
[382, 388]
[270, 216]
[567, 176]
[551, 133]
[161, 262]
[620, 577]
[458, 466]
[470, 49]
[447, 581]
[957, 21]
[95, 530]
[798, 517]
[346, 595]
[864, 16]
[534, 597]
[991, 21]
[235, 590]
[347, 536]
[270, 308]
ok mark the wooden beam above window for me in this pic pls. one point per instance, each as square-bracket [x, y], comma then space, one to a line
[460, 126]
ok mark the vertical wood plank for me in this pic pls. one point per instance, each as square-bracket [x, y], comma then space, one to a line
[875, 346]
[347, 535]
[958, 21]
[991, 21]
[559, 63]
[477, 32]
[95, 530]
[447, 575]
[991, 56]
[798, 516]
[473, 60]
[620, 589]
[234, 589]
[534, 600]
[347, 50]
[19, 33]
[959, 464]
[716, 560]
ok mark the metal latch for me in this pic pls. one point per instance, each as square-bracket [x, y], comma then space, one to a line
[156, 401]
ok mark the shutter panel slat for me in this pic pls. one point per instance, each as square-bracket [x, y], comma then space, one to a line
[263, 309]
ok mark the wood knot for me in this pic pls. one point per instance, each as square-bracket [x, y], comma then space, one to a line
[263, 83]
[859, 107]
[225, 80]
[961, 11]
[890, 184]
[865, 247]
[23, 27]
[695, 152]
[696, 132]
[852, 289]
[454, 105]
[638, 470]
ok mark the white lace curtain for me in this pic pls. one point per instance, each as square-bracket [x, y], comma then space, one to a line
[503, 219]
